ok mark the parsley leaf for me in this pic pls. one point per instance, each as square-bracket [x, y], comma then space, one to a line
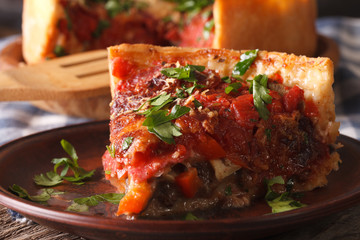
[127, 143]
[228, 191]
[280, 202]
[44, 196]
[191, 6]
[246, 60]
[102, 25]
[159, 123]
[59, 51]
[209, 25]
[48, 179]
[261, 95]
[233, 87]
[114, 7]
[226, 79]
[83, 204]
[191, 217]
[197, 103]
[52, 178]
[111, 150]
[186, 73]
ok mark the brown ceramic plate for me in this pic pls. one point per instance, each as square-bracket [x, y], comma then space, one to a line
[21, 159]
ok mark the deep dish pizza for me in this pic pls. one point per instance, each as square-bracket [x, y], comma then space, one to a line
[198, 129]
[55, 28]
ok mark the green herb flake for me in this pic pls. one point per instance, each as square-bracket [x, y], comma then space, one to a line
[159, 123]
[48, 179]
[246, 60]
[209, 26]
[59, 51]
[197, 103]
[186, 73]
[127, 143]
[191, 6]
[233, 87]
[191, 217]
[52, 178]
[111, 149]
[83, 204]
[280, 202]
[114, 7]
[226, 79]
[102, 25]
[261, 95]
[228, 191]
[68, 19]
[268, 134]
[44, 196]
[75, 207]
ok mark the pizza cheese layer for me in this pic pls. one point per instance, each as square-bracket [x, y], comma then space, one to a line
[187, 124]
[55, 28]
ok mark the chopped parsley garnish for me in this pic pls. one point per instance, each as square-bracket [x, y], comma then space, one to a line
[228, 191]
[186, 73]
[83, 204]
[197, 103]
[111, 150]
[226, 79]
[209, 25]
[261, 95]
[191, 6]
[246, 60]
[68, 19]
[280, 202]
[233, 87]
[114, 7]
[158, 119]
[44, 196]
[102, 25]
[191, 217]
[159, 123]
[52, 178]
[59, 51]
[48, 179]
[268, 134]
[127, 143]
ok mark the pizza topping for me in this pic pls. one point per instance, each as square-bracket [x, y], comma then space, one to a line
[191, 6]
[199, 133]
[284, 201]
[245, 62]
[261, 95]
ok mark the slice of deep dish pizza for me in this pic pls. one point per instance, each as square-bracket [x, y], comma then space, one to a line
[54, 28]
[202, 129]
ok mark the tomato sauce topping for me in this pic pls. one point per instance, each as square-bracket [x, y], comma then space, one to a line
[225, 126]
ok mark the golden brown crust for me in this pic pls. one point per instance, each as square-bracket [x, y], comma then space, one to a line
[313, 75]
[274, 25]
[39, 28]
[286, 26]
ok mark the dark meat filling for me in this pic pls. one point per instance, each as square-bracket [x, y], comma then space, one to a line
[168, 200]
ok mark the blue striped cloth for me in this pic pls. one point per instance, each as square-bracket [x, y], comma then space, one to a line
[18, 119]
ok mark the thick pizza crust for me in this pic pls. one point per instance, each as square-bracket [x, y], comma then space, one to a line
[273, 25]
[39, 30]
[286, 26]
[313, 75]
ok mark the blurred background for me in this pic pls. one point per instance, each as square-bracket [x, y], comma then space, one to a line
[10, 12]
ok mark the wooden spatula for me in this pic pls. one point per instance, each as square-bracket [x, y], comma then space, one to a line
[72, 77]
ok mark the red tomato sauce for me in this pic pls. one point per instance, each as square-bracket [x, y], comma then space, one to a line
[226, 126]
